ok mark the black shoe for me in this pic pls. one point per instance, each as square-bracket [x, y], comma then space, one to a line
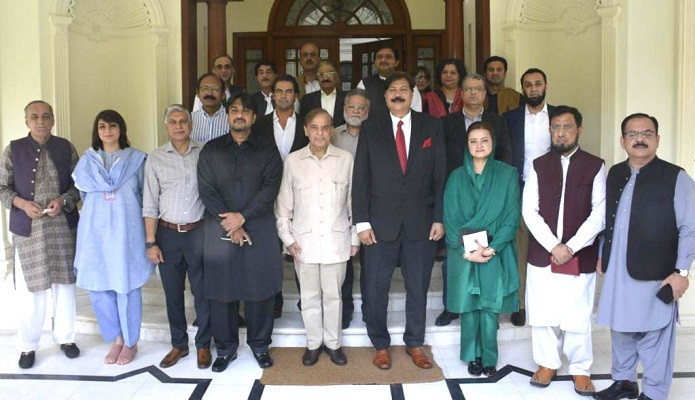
[346, 321]
[519, 318]
[26, 360]
[489, 371]
[222, 362]
[241, 321]
[264, 360]
[475, 368]
[619, 390]
[644, 397]
[311, 357]
[445, 318]
[70, 349]
[337, 356]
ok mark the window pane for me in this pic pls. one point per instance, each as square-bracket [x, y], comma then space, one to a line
[323, 54]
[365, 58]
[291, 68]
[365, 70]
[251, 83]
[290, 54]
[425, 52]
[327, 12]
[254, 54]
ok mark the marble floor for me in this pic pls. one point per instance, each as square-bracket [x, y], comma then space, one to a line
[87, 377]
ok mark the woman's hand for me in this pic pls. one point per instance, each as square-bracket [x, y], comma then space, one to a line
[481, 255]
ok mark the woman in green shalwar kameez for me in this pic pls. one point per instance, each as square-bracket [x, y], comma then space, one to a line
[482, 194]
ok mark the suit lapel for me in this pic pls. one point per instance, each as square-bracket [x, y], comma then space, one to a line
[416, 137]
[388, 142]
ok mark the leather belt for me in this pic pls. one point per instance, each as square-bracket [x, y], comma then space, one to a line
[180, 227]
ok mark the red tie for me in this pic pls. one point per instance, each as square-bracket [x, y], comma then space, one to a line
[400, 146]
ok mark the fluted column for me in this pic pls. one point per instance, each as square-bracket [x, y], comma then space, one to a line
[611, 105]
[217, 29]
[61, 74]
[454, 29]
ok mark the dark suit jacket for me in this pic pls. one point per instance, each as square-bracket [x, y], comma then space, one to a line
[385, 197]
[264, 127]
[261, 104]
[516, 121]
[456, 138]
[313, 100]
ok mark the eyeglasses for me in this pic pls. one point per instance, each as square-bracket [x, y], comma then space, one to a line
[419, 78]
[213, 89]
[327, 74]
[352, 107]
[557, 128]
[646, 135]
[473, 89]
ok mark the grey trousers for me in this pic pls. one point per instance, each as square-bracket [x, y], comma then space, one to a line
[656, 349]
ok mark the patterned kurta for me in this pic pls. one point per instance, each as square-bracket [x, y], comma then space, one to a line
[47, 254]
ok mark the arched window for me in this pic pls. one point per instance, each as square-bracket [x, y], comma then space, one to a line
[328, 12]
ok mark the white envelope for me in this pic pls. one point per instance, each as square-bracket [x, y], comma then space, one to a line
[469, 241]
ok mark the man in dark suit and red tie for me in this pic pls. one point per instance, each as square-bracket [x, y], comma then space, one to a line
[398, 184]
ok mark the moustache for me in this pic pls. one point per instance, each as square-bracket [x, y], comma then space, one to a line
[398, 100]
[643, 145]
[209, 97]
[326, 81]
[239, 120]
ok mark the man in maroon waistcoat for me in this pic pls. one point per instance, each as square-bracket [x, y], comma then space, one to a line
[564, 208]
[36, 186]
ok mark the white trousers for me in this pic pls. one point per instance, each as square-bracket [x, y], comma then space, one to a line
[31, 312]
[549, 342]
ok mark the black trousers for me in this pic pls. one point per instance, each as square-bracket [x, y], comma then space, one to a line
[346, 289]
[183, 253]
[416, 259]
[224, 317]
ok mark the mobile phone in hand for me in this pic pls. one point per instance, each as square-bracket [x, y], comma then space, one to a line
[665, 294]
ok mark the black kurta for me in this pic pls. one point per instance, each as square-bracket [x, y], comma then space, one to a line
[240, 178]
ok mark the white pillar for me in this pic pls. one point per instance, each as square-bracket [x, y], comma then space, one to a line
[61, 74]
[610, 100]
[685, 87]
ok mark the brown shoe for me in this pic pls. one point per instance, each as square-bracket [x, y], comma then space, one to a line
[382, 359]
[173, 357]
[204, 358]
[419, 356]
[543, 376]
[583, 385]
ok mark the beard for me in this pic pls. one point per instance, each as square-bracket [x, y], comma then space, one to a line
[535, 101]
[354, 121]
[564, 148]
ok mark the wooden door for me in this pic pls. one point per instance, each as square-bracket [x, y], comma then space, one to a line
[249, 49]
[363, 57]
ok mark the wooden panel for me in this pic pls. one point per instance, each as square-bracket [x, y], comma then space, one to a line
[425, 41]
[189, 51]
[482, 33]
[249, 48]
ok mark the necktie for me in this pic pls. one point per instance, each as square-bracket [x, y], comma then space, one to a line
[400, 146]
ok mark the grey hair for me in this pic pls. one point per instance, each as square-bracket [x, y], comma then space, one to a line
[31, 103]
[358, 92]
[174, 108]
[476, 77]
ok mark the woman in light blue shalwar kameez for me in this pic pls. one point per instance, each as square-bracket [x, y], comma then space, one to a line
[110, 259]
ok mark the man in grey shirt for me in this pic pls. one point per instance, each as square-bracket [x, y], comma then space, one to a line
[648, 250]
[173, 215]
[345, 137]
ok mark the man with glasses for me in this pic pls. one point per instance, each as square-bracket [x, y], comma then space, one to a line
[648, 249]
[209, 122]
[528, 129]
[345, 137]
[455, 128]
[222, 66]
[329, 98]
[564, 208]
[500, 98]
[308, 81]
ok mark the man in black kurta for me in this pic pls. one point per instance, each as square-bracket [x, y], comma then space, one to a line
[239, 178]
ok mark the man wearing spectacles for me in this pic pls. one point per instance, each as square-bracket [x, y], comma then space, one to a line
[329, 98]
[223, 67]
[528, 130]
[345, 137]
[564, 208]
[211, 120]
[648, 249]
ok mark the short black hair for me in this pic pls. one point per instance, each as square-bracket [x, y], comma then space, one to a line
[388, 45]
[269, 63]
[110, 116]
[398, 75]
[285, 78]
[559, 110]
[533, 71]
[205, 75]
[493, 59]
[460, 67]
[247, 101]
[422, 69]
[638, 115]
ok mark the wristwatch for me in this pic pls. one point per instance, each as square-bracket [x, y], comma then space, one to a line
[684, 273]
[149, 245]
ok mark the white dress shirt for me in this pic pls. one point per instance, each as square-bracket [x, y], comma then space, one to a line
[536, 137]
[407, 125]
[284, 137]
[314, 205]
[415, 104]
[328, 101]
[198, 105]
[312, 86]
[269, 100]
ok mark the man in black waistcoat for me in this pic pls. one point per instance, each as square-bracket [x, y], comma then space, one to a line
[648, 249]
[36, 185]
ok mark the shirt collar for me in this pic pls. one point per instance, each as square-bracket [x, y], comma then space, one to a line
[544, 110]
[305, 152]
[217, 113]
[395, 119]
[276, 119]
[192, 144]
[475, 116]
[563, 157]
[332, 94]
